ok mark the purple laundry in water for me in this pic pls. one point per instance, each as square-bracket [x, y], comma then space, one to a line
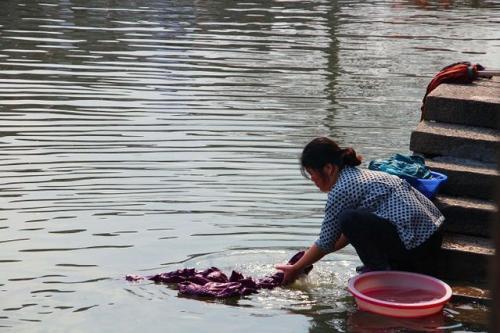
[212, 282]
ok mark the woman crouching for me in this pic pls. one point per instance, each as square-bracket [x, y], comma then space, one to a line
[390, 224]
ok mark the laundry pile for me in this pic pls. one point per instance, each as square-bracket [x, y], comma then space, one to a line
[409, 167]
[212, 282]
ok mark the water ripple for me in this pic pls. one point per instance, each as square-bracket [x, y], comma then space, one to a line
[77, 248]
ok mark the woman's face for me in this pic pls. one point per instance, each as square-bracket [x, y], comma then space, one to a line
[324, 180]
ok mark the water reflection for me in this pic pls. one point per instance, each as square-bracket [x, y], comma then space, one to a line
[138, 136]
[361, 322]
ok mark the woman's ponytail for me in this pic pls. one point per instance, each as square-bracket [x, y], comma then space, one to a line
[350, 158]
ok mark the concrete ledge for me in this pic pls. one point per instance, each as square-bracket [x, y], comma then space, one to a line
[438, 139]
[466, 177]
[477, 104]
[467, 216]
[465, 257]
[470, 293]
[469, 244]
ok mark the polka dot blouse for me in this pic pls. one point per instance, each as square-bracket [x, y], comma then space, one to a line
[387, 196]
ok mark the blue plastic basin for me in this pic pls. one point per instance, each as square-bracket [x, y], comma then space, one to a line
[430, 186]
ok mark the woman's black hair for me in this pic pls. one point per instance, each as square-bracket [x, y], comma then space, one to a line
[321, 151]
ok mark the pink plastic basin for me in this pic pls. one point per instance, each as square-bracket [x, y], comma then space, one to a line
[399, 294]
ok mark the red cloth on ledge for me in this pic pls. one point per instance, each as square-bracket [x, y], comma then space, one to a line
[459, 72]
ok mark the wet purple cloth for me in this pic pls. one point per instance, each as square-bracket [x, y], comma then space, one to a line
[212, 282]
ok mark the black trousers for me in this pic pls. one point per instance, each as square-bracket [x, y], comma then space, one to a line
[379, 247]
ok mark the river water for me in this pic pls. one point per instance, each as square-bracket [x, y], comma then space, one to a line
[145, 136]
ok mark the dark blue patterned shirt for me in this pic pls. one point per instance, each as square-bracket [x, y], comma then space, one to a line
[387, 196]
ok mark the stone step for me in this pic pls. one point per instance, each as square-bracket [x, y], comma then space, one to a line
[466, 292]
[466, 216]
[476, 104]
[466, 177]
[443, 139]
[465, 257]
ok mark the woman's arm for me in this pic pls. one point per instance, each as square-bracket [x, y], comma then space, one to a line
[313, 254]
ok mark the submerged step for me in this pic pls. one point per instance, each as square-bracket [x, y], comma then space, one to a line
[466, 216]
[466, 177]
[476, 104]
[443, 139]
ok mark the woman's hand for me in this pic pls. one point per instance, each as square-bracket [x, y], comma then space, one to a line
[290, 272]
[313, 254]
